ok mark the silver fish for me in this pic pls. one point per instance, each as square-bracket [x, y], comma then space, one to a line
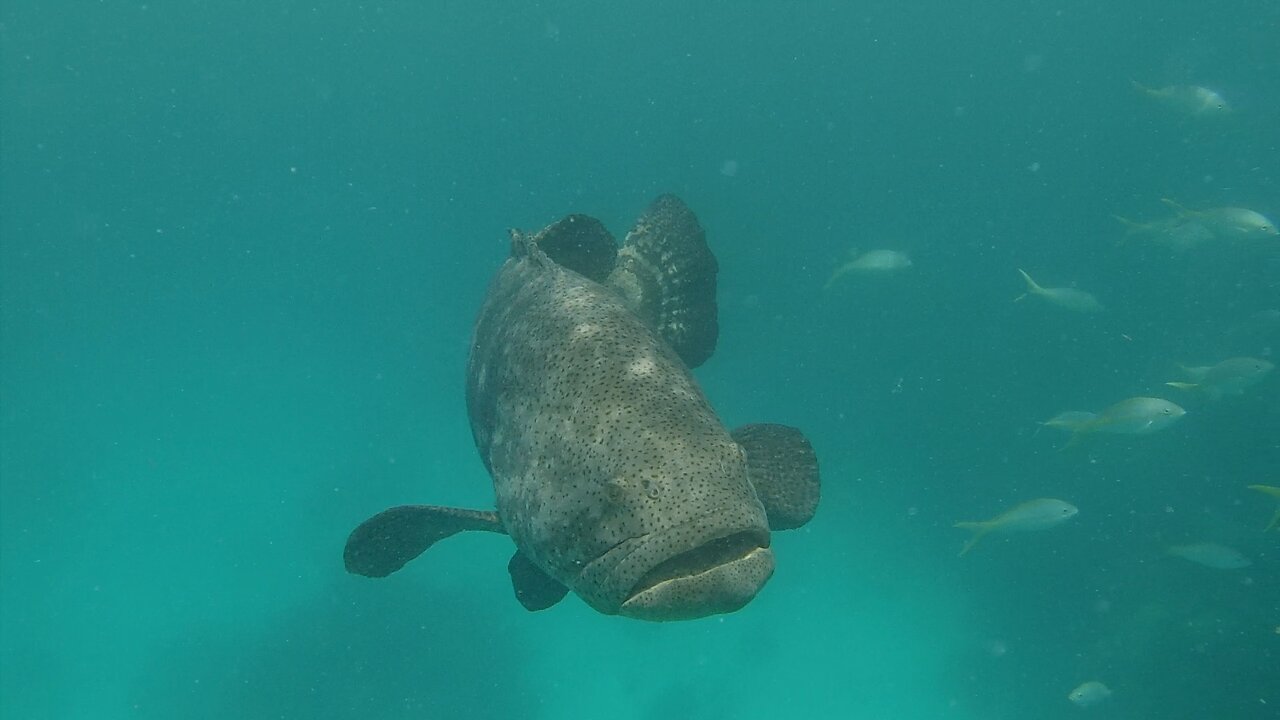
[872, 262]
[1066, 298]
[1134, 416]
[1194, 100]
[1088, 694]
[1227, 223]
[1212, 555]
[1038, 514]
[1179, 232]
[1229, 377]
[613, 475]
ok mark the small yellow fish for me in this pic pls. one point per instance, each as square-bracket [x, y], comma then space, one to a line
[1037, 514]
[1190, 99]
[1134, 416]
[1088, 694]
[1275, 493]
[1064, 297]
[1229, 377]
[1228, 223]
[870, 262]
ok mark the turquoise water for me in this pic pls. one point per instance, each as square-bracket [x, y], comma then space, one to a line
[243, 245]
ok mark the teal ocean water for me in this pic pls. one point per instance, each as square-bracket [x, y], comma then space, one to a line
[244, 244]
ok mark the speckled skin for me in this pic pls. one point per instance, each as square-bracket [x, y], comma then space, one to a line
[606, 458]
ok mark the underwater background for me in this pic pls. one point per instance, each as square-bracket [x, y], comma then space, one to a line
[244, 243]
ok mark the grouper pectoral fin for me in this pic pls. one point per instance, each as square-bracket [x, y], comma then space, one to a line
[784, 472]
[535, 589]
[382, 544]
[667, 275]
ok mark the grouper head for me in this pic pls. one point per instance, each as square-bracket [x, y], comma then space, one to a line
[612, 473]
[679, 534]
[715, 561]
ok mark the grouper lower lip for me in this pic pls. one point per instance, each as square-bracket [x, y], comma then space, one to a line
[688, 547]
[719, 576]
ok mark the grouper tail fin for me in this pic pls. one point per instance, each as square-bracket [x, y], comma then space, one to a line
[383, 544]
[784, 472]
[667, 275]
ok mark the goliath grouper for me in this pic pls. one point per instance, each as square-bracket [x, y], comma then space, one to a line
[613, 475]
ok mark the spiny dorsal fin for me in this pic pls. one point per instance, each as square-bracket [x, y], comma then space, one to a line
[667, 275]
[383, 544]
[784, 472]
[580, 243]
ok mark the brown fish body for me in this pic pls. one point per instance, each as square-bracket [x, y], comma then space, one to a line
[606, 458]
[611, 472]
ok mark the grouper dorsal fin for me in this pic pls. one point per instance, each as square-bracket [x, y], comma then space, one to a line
[580, 243]
[667, 275]
[784, 472]
[383, 544]
[535, 589]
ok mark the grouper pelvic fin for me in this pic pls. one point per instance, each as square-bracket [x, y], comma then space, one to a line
[784, 472]
[667, 275]
[535, 589]
[383, 544]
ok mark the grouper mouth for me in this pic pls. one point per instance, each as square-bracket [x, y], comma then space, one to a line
[718, 576]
